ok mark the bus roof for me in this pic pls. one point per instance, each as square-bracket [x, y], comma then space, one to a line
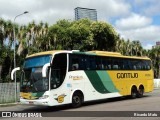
[45, 53]
[116, 54]
[95, 52]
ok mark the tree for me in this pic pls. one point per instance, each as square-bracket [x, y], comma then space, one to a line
[22, 39]
[137, 48]
[59, 35]
[81, 36]
[104, 35]
[9, 32]
[1, 44]
[121, 45]
[154, 54]
[128, 48]
[2, 22]
[6, 34]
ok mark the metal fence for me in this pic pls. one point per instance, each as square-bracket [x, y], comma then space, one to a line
[7, 92]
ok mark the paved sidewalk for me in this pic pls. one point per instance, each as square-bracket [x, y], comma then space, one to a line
[9, 104]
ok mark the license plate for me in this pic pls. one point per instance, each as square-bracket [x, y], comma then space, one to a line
[31, 102]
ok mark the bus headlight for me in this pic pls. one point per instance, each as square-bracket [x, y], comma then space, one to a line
[44, 97]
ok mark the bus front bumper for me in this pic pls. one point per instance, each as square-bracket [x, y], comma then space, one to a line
[43, 102]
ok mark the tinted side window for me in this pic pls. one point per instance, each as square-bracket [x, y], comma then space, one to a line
[81, 62]
[136, 64]
[105, 63]
[99, 65]
[146, 64]
[89, 62]
[74, 62]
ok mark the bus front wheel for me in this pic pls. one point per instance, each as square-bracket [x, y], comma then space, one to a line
[133, 93]
[77, 100]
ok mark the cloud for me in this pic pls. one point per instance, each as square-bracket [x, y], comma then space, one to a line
[107, 8]
[39, 10]
[51, 16]
[151, 7]
[112, 8]
[53, 10]
[133, 21]
[149, 34]
[148, 46]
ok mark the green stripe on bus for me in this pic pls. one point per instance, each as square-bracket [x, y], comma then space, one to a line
[96, 81]
[107, 82]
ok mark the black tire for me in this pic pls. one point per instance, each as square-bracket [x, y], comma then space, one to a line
[140, 92]
[133, 93]
[77, 100]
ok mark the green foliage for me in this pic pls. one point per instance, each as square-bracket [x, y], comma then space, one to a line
[3, 54]
[104, 36]
[154, 54]
[84, 35]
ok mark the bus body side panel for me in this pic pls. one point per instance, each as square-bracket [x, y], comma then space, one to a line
[99, 85]
[124, 80]
[78, 80]
[93, 84]
[60, 95]
[107, 84]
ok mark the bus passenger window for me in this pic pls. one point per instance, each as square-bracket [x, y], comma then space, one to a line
[109, 67]
[75, 66]
[98, 66]
[102, 66]
[115, 67]
[148, 67]
[134, 67]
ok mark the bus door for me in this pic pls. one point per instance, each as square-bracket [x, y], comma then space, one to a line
[58, 74]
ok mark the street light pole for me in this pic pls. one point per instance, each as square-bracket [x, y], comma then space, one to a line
[15, 52]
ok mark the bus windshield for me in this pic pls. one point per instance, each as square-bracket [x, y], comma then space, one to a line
[37, 61]
[31, 76]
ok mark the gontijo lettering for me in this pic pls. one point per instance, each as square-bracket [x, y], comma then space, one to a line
[127, 75]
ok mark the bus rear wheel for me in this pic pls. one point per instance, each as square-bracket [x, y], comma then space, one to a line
[140, 92]
[77, 100]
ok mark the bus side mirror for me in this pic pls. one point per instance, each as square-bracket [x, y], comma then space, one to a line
[13, 71]
[44, 69]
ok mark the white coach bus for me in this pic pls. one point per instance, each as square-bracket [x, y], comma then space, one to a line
[54, 78]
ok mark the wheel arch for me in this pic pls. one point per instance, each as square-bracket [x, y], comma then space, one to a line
[74, 91]
[141, 86]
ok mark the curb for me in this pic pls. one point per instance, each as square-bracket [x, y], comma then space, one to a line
[9, 104]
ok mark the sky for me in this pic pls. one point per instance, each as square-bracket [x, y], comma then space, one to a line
[132, 19]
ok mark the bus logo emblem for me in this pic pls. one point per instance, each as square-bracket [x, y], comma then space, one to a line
[60, 98]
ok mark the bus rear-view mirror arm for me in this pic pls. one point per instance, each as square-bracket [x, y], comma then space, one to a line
[13, 71]
[44, 69]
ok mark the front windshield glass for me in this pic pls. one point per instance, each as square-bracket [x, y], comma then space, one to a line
[37, 61]
[31, 76]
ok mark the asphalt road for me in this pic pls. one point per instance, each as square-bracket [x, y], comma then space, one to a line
[92, 110]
